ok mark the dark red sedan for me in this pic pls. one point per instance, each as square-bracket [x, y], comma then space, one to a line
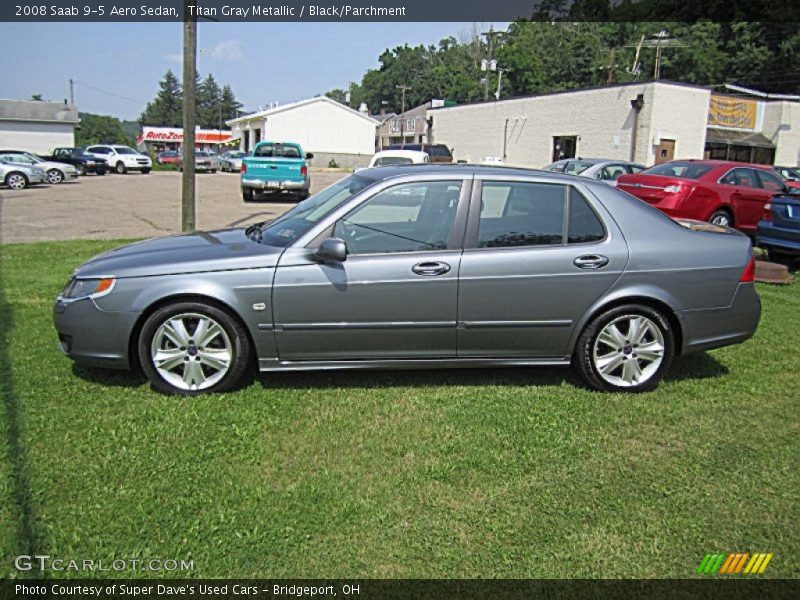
[722, 192]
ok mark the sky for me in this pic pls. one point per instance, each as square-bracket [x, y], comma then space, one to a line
[263, 62]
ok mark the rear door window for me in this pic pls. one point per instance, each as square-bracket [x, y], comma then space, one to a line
[517, 214]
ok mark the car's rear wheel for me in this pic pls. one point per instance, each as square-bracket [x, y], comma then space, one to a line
[722, 217]
[626, 349]
[120, 168]
[16, 181]
[191, 348]
[54, 176]
[248, 195]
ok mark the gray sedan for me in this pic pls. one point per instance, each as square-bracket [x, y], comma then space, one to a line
[231, 161]
[605, 169]
[18, 176]
[420, 267]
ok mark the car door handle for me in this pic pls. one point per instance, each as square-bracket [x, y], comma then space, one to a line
[591, 261]
[431, 268]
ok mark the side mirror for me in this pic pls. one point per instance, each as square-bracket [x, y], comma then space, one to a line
[332, 250]
[309, 155]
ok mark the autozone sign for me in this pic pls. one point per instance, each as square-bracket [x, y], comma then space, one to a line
[175, 134]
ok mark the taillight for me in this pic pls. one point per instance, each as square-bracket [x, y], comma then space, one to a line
[304, 170]
[244, 168]
[749, 274]
[766, 212]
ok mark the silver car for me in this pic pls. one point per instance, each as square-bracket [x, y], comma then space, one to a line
[605, 169]
[18, 176]
[231, 161]
[420, 267]
[57, 172]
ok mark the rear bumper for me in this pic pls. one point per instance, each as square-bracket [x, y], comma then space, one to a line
[262, 184]
[716, 327]
[778, 237]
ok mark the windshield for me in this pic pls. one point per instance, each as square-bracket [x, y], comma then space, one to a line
[125, 150]
[392, 160]
[294, 223]
[236, 154]
[686, 170]
[200, 153]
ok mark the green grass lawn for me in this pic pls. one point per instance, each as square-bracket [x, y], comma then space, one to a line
[475, 473]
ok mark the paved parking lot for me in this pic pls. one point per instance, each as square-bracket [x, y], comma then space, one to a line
[130, 206]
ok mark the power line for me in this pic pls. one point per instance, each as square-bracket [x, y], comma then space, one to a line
[97, 89]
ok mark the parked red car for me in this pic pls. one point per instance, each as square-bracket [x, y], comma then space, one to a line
[722, 192]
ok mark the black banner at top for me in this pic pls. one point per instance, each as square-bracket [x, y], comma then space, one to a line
[397, 10]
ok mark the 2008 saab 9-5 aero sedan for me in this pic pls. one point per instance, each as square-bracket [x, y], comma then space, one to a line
[418, 267]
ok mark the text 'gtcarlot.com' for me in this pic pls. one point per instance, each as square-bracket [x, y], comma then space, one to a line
[44, 562]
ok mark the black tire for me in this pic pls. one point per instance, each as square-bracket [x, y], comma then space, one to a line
[583, 357]
[302, 196]
[82, 170]
[145, 171]
[248, 195]
[240, 347]
[120, 168]
[101, 172]
[17, 181]
[722, 216]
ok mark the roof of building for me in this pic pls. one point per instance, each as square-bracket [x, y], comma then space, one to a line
[38, 110]
[594, 88]
[292, 105]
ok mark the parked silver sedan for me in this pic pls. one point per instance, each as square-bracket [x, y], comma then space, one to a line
[420, 267]
[604, 169]
[18, 176]
[56, 172]
[204, 162]
[231, 161]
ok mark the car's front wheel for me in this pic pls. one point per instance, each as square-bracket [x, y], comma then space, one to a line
[16, 181]
[625, 349]
[54, 176]
[82, 170]
[120, 168]
[191, 348]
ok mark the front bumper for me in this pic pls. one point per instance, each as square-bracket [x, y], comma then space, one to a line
[91, 336]
[705, 329]
[268, 185]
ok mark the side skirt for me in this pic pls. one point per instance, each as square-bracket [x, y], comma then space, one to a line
[274, 364]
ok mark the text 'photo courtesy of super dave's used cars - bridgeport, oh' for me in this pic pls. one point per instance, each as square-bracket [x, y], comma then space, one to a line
[420, 266]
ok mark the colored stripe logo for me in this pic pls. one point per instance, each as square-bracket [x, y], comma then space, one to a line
[734, 563]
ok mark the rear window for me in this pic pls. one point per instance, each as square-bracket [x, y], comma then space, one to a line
[276, 151]
[685, 170]
[392, 160]
[440, 150]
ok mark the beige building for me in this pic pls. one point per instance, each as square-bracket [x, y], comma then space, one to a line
[646, 122]
[332, 131]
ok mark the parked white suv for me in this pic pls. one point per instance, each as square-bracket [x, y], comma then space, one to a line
[122, 159]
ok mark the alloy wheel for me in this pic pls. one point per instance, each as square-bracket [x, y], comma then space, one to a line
[721, 219]
[55, 176]
[191, 351]
[16, 181]
[628, 351]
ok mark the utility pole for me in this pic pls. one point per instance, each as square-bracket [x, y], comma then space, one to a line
[403, 89]
[71, 91]
[611, 66]
[489, 35]
[188, 222]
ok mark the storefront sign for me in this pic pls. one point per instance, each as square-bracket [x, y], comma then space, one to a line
[175, 134]
[738, 113]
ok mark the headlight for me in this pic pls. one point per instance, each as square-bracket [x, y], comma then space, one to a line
[89, 288]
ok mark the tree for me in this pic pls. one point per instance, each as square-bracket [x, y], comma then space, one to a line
[230, 106]
[209, 106]
[36, 97]
[100, 129]
[167, 107]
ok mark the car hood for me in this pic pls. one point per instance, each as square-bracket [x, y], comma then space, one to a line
[202, 251]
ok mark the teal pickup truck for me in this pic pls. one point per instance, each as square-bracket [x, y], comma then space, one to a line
[276, 168]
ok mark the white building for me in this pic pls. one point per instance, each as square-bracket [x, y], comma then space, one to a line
[332, 131]
[37, 126]
[646, 122]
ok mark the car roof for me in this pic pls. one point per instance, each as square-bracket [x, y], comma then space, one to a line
[463, 170]
[409, 153]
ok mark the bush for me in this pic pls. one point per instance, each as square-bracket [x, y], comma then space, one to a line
[332, 164]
